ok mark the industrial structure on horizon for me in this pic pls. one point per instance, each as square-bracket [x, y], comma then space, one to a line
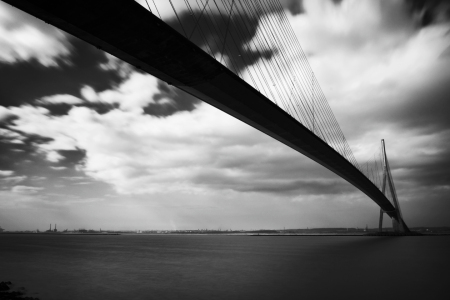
[54, 229]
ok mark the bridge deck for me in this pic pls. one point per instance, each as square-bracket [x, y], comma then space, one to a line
[131, 33]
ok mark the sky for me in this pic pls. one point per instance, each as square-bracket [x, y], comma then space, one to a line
[88, 141]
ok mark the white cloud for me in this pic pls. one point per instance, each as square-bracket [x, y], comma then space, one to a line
[27, 190]
[58, 168]
[196, 151]
[6, 172]
[23, 38]
[10, 136]
[122, 68]
[74, 178]
[368, 54]
[132, 95]
[89, 94]
[58, 99]
[53, 156]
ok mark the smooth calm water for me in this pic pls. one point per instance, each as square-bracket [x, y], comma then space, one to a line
[226, 267]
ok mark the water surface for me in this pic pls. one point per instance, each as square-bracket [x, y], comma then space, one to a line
[226, 267]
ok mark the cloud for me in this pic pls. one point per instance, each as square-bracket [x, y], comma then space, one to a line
[137, 152]
[113, 63]
[13, 200]
[13, 179]
[143, 92]
[380, 62]
[170, 100]
[385, 74]
[11, 136]
[139, 92]
[190, 152]
[208, 32]
[54, 156]
[58, 99]
[74, 178]
[58, 168]
[6, 172]
[133, 94]
[27, 190]
[4, 114]
[295, 7]
[24, 38]
[429, 12]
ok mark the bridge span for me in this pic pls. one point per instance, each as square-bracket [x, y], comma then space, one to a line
[126, 30]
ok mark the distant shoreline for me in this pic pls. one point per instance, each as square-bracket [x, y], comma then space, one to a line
[59, 233]
[227, 234]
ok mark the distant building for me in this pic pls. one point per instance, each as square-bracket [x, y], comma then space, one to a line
[1, 229]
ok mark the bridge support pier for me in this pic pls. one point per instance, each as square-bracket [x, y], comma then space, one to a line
[396, 226]
[380, 224]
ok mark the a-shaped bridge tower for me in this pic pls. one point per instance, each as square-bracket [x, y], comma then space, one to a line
[240, 56]
[389, 180]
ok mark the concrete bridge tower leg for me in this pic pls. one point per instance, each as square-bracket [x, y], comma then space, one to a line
[380, 224]
[396, 226]
[397, 223]
[383, 190]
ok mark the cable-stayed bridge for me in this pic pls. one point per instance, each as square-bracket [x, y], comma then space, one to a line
[240, 56]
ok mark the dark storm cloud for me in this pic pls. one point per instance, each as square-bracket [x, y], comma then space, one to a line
[282, 175]
[72, 157]
[178, 101]
[426, 113]
[60, 109]
[427, 109]
[433, 173]
[32, 169]
[288, 186]
[298, 187]
[24, 82]
[21, 157]
[7, 119]
[213, 27]
[337, 2]
[294, 6]
[429, 12]
[12, 153]
[428, 169]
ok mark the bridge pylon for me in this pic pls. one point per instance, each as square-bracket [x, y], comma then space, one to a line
[397, 222]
